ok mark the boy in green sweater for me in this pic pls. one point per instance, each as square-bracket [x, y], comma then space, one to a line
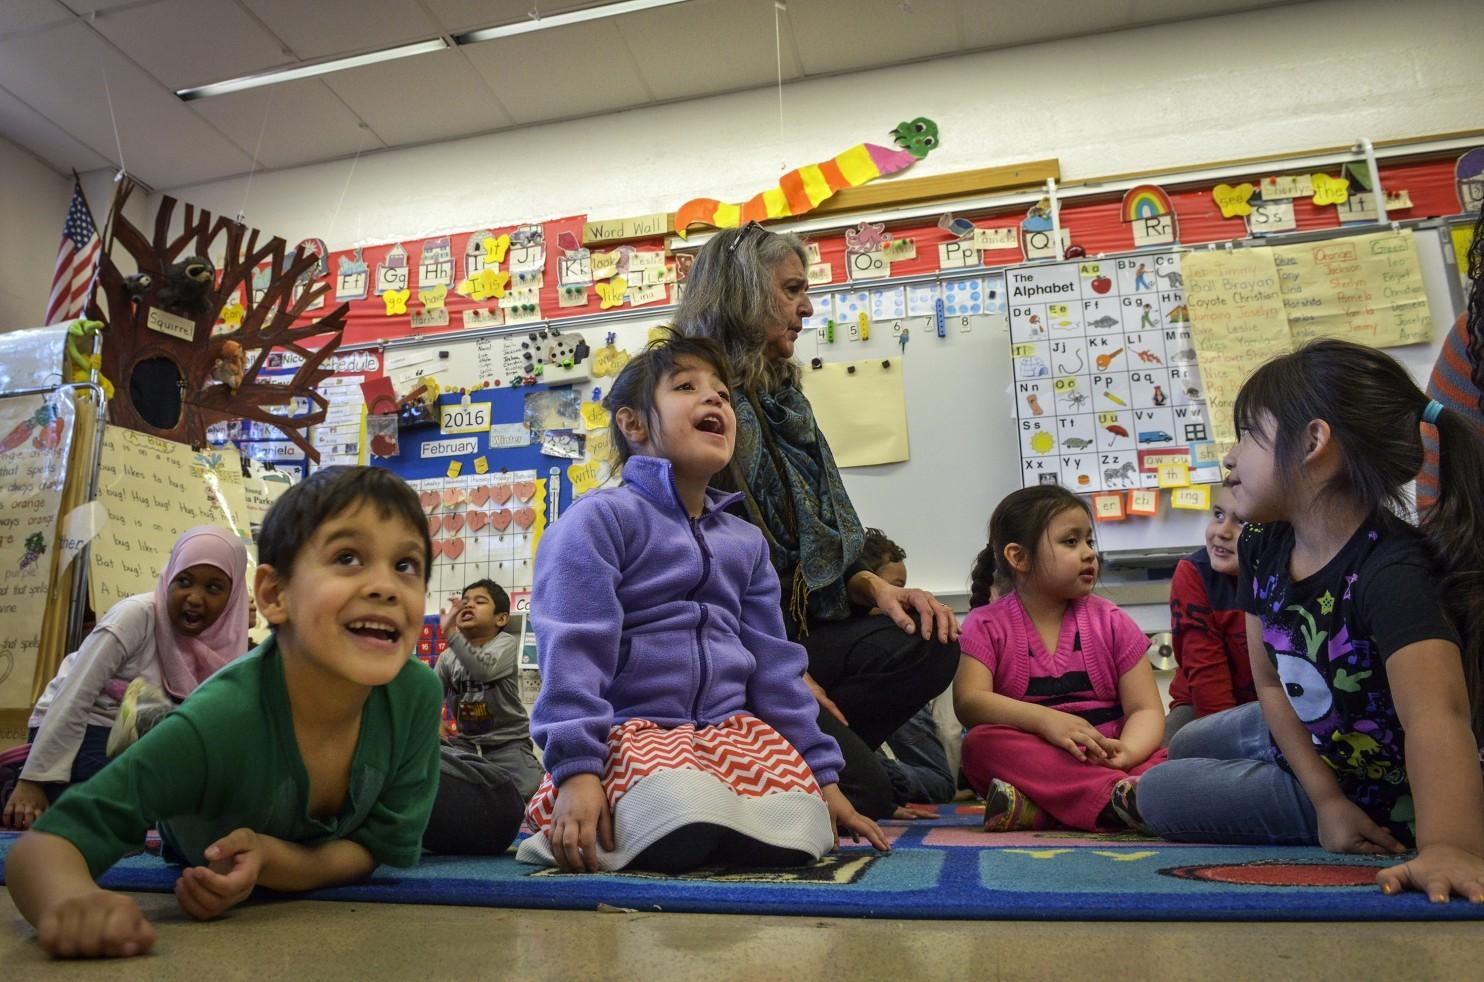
[303, 764]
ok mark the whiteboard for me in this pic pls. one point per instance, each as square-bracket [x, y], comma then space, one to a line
[961, 423]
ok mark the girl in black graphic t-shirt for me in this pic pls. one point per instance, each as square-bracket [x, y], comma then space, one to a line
[1362, 739]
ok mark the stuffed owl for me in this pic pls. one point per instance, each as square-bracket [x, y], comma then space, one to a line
[187, 287]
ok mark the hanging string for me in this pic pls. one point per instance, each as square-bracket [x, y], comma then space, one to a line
[360, 145]
[778, 8]
[108, 94]
[257, 148]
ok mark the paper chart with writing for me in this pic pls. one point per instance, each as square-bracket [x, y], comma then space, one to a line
[1238, 322]
[1103, 368]
[1365, 288]
[340, 438]
[154, 490]
[35, 440]
[484, 526]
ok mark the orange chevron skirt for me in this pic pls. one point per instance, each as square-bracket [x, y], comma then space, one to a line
[741, 774]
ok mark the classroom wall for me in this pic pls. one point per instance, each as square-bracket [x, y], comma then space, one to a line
[1285, 79]
[33, 205]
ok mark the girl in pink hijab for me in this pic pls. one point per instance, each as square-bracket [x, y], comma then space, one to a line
[193, 623]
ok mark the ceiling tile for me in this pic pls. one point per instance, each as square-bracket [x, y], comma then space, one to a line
[676, 48]
[164, 142]
[25, 15]
[556, 74]
[25, 127]
[845, 35]
[305, 122]
[191, 42]
[466, 15]
[332, 27]
[95, 6]
[435, 96]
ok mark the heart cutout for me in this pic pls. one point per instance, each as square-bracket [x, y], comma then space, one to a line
[525, 516]
[500, 493]
[429, 499]
[434, 522]
[453, 548]
[500, 518]
[479, 496]
[437, 548]
[452, 523]
[452, 496]
[525, 489]
[477, 520]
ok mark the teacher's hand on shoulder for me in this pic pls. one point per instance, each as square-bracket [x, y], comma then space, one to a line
[902, 603]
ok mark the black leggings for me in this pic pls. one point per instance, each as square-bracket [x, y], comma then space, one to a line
[703, 844]
[879, 676]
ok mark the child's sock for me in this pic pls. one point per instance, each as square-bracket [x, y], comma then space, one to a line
[1008, 809]
[1124, 805]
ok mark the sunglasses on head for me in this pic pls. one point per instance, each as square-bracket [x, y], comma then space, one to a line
[747, 230]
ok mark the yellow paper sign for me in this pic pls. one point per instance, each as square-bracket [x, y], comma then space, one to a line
[612, 292]
[495, 249]
[433, 297]
[396, 301]
[1197, 497]
[1233, 200]
[862, 413]
[594, 415]
[1144, 502]
[1108, 506]
[1174, 475]
[1237, 321]
[656, 334]
[585, 476]
[609, 360]
[1366, 288]
[1330, 190]
[481, 465]
[233, 312]
[454, 468]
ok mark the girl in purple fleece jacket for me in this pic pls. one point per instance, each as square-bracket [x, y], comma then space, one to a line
[675, 724]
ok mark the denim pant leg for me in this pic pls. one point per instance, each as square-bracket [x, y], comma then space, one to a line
[1222, 784]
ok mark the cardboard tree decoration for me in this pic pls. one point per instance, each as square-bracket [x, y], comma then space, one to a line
[172, 376]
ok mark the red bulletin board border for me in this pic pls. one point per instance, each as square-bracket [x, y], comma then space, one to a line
[1097, 226]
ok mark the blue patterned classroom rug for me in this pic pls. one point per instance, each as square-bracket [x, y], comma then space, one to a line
[941, 869]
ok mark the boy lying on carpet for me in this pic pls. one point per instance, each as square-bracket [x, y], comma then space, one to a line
[301, 765]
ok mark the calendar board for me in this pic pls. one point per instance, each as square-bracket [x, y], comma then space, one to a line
[1104, 373]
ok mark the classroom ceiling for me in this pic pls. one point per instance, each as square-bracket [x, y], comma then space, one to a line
[62, 61]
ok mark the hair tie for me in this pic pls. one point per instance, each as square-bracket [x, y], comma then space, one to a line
[1432, 412]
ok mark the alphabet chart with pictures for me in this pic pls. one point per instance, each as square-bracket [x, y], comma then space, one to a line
[1104, 373]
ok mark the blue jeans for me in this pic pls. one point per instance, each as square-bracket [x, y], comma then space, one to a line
[1222, 783]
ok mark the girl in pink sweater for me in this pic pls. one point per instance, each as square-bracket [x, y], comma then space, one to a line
[1063, 708]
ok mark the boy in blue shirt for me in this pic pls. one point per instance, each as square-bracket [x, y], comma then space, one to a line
[301, 765]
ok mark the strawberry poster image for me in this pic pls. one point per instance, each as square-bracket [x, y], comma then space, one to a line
[1104, 372]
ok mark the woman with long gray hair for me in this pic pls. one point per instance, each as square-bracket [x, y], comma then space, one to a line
[748, 290]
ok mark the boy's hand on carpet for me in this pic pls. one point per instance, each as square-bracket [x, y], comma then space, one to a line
[97, 924]
[236, 861]
[1344, 827]
[851, 822]
[911, 813]
[1073, 734]
[1440, 872]
[580, 819]
[25, 805]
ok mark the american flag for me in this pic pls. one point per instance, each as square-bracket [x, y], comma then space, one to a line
[77, 258]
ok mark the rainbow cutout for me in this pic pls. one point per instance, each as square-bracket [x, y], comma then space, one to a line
[1145, 201]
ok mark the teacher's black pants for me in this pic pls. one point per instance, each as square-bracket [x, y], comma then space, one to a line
[879, 676]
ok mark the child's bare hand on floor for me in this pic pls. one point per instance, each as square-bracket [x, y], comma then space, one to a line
[235, 861]
[580, 821]
[851, 822]
[97, 924]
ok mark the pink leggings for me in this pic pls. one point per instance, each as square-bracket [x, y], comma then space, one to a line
[1068, 790]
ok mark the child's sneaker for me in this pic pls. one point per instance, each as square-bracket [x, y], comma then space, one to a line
[1125, 805]
[1008, 809]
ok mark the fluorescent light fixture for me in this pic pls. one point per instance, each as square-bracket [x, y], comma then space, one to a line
[560, 20]
[311, 69]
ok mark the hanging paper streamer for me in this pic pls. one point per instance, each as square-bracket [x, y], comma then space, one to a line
[802, 190]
